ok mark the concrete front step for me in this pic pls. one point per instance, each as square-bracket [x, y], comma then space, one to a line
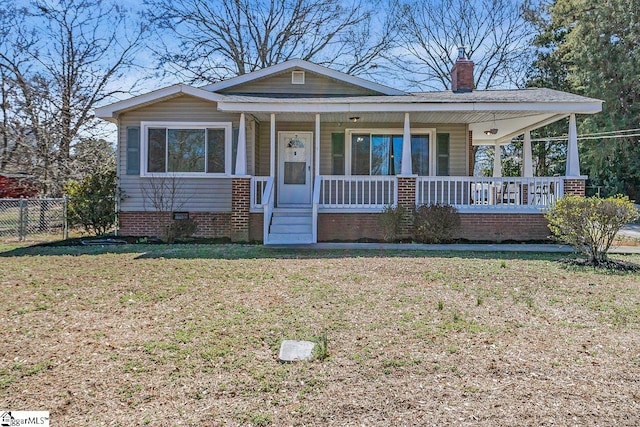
[291, 226]
[289, 238]
[290, 220]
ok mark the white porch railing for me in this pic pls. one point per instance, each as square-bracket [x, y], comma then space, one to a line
[357, 191]
[497, 193]
[258, 187]
[375, 192]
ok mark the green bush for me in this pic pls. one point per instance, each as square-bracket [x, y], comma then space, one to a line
[92, 202]
[178, 229]
[590, 224]
[390, 221]
[436, 223]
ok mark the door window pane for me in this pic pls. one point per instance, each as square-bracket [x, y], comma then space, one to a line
[360, 154]
[294, 173]
[420, 154]
[156, 151]
[396, 155]
[380, 154]
[215, 151]
[234, 149]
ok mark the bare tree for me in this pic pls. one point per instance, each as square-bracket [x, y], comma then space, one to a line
[209, 40]
[61, 58]
[493, 33]
[165, 194]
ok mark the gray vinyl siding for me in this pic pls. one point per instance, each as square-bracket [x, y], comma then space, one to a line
[458, 142]
[195, 194]
[315, 85]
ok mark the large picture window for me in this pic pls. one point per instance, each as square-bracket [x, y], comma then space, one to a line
[380, 153]
[188, 149]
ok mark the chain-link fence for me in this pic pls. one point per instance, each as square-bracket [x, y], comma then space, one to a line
[21, 218]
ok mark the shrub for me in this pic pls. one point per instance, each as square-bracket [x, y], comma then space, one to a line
[178, 229]
[436, 223]
[92, 202]
[390, 221]
[590, 224]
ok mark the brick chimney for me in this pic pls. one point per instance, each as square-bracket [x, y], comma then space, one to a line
[462, 73]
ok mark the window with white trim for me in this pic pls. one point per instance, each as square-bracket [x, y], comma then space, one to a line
[186, 148]
[379, 151]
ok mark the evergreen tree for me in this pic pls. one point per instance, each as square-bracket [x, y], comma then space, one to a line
[591, 48]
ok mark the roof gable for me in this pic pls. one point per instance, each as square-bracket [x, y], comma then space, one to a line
[282, 85]
[250, 80]
[111, 111]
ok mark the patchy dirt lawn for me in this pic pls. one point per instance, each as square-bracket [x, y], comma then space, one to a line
[189, 335]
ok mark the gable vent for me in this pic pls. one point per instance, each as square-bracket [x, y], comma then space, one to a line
[297, 77]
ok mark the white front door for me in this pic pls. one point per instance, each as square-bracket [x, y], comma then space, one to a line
[295, 152]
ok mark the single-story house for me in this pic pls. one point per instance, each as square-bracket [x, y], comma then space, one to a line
[300, 153]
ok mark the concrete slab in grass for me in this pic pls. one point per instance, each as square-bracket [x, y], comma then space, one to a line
[292, 351]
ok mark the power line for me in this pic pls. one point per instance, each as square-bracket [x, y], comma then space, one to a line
[611, 132]
[596, 135]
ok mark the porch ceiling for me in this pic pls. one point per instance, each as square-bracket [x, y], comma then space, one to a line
[508, 123]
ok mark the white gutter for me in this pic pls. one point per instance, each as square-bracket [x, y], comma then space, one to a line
[295, 107]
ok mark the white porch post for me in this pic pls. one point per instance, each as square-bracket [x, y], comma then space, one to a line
[406, 168]
[497, 161]
[241, 155]
[317, 146]
[272, 146]
[573, 162]
[527, 166]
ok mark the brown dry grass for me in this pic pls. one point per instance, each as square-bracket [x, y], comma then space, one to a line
[160, 335]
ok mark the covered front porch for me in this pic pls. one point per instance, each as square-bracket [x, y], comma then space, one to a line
[361, 197]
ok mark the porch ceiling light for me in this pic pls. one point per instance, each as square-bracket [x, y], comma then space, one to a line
[494, 129]
[354, 119]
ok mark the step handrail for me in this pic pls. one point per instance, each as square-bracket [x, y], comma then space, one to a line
[314, 211]
[267, 207]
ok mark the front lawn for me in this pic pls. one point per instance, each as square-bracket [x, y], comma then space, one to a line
[189, 335]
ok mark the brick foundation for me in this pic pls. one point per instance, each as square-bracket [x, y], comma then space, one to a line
[348, 227]
[345, 226]
[500, 227]
[256, 230]
[210, 224]
[240, 204]
[574, 186]
[495, 227]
